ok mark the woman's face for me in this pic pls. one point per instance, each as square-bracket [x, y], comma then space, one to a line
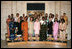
[38, 17]
[55, 20]
[17, 15]
[31, 19]
[56, 16]
[40, 14]
[24, 19]
[8, 16]
[61, 17]
[37, 20]
[50, 15]
[46, 14]
[64, 14]
[21, 18]
[43, 19]
[50, 19]
[23, 15]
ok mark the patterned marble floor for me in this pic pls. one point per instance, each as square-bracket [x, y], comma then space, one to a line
[4, 45]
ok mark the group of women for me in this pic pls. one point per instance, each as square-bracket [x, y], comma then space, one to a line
[38, 24]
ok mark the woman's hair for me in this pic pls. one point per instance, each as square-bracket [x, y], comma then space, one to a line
[32, 18]
[12, 15]
[17, 14]
[26, 18]
[52, 15]
[62, 20]
[40, 14]
[21, 17]
[64, 13]
[55, 19]
[9, 16]
[36, 18]
[43, 17]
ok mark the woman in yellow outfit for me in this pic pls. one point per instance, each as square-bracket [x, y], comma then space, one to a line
[31, 28]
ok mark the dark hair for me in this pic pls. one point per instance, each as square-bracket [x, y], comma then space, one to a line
[12, 14]
[8, 15]
[23, 14]
[52, 15]
[26, 17]
[17, 13]
[62, 20]
[43, 17]
[64, 13]
[21, 17]
[36, 18]
[55, 19]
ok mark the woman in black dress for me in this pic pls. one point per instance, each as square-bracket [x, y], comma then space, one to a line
[19, 32]
[43, 35]
[50, 29]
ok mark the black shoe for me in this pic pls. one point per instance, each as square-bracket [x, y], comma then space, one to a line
[22, 40]
[34, 40]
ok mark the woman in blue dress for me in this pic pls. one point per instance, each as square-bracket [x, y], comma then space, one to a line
[12, 29]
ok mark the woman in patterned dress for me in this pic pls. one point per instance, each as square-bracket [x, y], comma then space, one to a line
[24, 29]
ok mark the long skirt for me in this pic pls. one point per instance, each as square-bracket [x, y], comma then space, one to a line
[12, 35]
[43, 34]
[55, 33]
[25, 36]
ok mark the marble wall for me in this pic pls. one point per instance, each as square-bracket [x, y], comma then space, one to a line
[8, 7]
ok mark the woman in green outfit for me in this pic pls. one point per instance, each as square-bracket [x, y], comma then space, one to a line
[30, 27]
